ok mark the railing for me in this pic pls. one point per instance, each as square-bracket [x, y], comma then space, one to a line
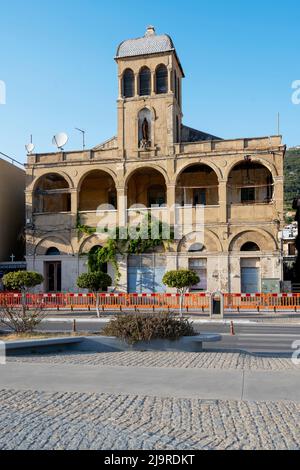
[194, 303]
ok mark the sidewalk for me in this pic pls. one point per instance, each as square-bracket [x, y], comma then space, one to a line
[213, 384]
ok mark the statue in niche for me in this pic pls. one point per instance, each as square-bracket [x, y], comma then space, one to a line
[145, 131]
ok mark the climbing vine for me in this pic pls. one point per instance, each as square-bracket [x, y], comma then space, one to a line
[139, 239]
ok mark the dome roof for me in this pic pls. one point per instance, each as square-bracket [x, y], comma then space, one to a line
[151, 43]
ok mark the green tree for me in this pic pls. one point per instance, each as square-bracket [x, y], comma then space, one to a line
[182, 280]
[95, 282]
[22, 280]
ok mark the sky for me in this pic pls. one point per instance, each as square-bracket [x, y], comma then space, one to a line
[57, 63]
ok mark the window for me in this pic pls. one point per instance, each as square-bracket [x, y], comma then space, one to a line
[292, 249]
[156, 196]
[250, 246]
[128, 83]
[199, 266]
[53, 252]
[161, 79]
[145, 82]
[247, 195]
[199, 197]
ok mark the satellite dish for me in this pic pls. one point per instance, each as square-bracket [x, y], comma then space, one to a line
[30, 148]
[59, 140]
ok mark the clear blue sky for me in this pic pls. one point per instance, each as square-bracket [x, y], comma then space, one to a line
[240, 59]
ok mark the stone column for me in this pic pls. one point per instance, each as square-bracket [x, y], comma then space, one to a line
[223, 201]
[136, 84]
[74, 201]
[153, 90]
[171, 200]
[120, 87]
[122, 207]
[170, 76]
[279, 196]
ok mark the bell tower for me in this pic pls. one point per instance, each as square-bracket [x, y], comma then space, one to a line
[150, 96]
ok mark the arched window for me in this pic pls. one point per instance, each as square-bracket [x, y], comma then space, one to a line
[250, 246]
[145, 82]
[128, 83]
[161, 79]
[53, 251]
[196, 248]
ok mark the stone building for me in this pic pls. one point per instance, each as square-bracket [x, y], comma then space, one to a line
[155, 160]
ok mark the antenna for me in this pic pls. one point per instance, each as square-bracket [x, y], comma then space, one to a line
[278, 124]
[83, 136]
[30, 147]
[60, 140]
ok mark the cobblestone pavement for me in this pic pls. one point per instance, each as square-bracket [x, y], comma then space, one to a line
[205, 360]
[32, 420]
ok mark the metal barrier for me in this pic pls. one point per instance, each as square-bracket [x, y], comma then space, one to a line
[262, 302]
[109, 301]
[122, 302]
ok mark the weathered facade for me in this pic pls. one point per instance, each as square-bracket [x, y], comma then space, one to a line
[12, 212]
[157, 161]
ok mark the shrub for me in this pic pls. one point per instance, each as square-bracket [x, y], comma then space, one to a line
[182, 280]
[21, 319]
[136, 327]
[22, 280]
[95, 281]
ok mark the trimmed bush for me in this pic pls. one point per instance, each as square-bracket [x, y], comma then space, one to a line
[22, 280]
[133, 328]
[95, 281]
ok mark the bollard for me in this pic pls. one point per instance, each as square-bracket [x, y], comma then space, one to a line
[232, 331]
[74, 326]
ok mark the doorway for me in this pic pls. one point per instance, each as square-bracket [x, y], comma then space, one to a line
[250, 280]
[53, 276]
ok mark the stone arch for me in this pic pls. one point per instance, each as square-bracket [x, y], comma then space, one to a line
[210, 164]
[254, 159]
[141, 181]
[264, 240]
[58, 173]
[197, 184]
[104, 169]
[92, 241]
[52, 194]
[97, 187]
[209, 239]
[146, 165]
[58, 242]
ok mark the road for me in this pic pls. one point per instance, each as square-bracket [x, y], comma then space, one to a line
[251, 337]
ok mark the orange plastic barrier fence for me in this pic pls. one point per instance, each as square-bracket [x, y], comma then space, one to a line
[262, 302]
[109, 301]
[123, 302]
